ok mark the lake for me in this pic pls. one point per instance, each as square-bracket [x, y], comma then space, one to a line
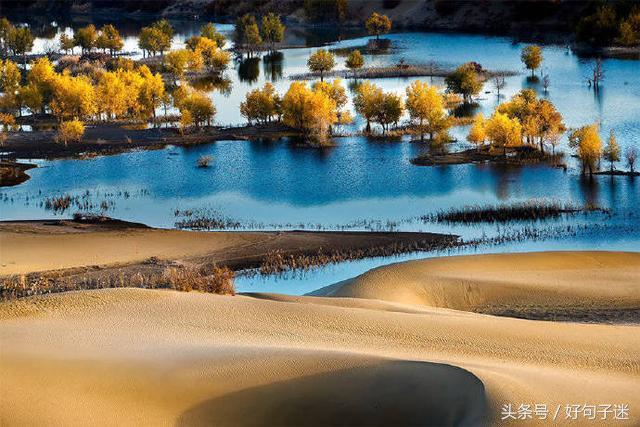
[364, 183]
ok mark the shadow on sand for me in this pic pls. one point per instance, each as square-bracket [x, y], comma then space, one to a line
[386, 393]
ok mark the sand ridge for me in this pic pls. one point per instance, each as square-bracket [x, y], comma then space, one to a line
[154, 357]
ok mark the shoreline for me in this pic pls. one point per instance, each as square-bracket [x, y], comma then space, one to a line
[68, 255]
[108, 139]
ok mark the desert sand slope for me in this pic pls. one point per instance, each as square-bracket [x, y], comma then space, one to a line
[152, 357]
[496, 283]
[38, 246]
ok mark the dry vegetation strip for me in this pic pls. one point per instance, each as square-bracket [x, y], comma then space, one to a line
[207, 264]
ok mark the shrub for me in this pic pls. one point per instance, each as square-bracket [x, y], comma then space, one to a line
[71, 131]
[204, 161]
[217, 281]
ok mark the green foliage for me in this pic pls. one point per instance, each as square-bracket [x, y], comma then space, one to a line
[19, 41]
[109, 39]
[611, 152]
[210, 32]
[272, 30]
[378, 24]
[247, 34]
[86, 37]
[156, 38]
[354, 61]
[66, 42]
[464, 80]
[612, 23]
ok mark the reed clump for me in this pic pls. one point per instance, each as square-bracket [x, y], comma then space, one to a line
[278, 261]
[526, 211]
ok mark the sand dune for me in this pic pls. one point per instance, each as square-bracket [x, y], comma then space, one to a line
[151, 357]
[562, 283]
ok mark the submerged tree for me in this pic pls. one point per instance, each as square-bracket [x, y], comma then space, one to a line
[311, 111]
[499, 82]
[156, 38]
[588, 146]
[464, 80]
[611, 152]
[531, 56]
[631, 155]
[378, 24]
[247, 34]
[366, 101]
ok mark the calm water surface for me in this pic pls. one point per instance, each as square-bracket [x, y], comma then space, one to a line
[362, 183]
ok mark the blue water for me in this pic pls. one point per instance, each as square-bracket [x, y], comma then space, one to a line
[362, 183]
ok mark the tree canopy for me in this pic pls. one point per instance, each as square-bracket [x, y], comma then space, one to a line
[464, 80]
[378, 24]
[321, 61]
[531, 57]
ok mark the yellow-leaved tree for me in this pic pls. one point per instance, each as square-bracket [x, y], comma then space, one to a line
[426, 109]
[367, 100]
[478, 132]
[310, 111]
[112, 95]
[503, 131]
[321, 61]
[196, 103]
[70, 131]
[378, 24]
[587, 143]
[261, 105]
[73, 97]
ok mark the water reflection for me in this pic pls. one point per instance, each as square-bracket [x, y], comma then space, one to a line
[222, 84]
[273, 64]
[466, 109]
[590, 188]
[249, 70]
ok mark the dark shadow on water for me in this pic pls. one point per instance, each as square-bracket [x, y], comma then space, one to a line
[590, 189]
[386, 393]
[466, 109]
[272, 65]
[249, 70]
[210, 83]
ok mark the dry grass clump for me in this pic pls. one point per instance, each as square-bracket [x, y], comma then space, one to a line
[219, 280]
[212, 279]
[277, 261]
[204, 161]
